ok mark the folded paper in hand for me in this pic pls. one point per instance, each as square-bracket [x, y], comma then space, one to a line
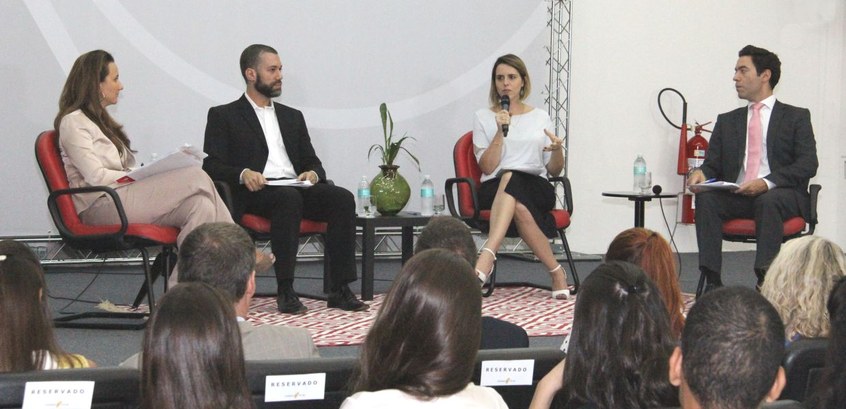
[289, 182]
[186, 156]
[714, 185]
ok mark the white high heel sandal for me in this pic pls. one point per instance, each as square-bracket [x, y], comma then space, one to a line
[483, 277]
[560, 294]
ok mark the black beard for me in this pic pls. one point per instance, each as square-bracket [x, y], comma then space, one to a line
[267, 90]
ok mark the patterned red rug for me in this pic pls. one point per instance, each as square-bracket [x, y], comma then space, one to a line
[530, 308]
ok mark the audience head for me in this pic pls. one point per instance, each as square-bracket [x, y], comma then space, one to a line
[515, 62]
[425, 338]
[799, 281]
[88, 88]
[763, 60]
[221, 255]
[192, 354]
[447, 233]
[620, 341]
[26, 339]
[652, 253]
[731, 352]
[831, 390]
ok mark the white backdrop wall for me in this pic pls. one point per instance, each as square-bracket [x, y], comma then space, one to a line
[430, 61]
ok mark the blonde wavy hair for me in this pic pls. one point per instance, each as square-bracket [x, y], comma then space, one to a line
[799, 281]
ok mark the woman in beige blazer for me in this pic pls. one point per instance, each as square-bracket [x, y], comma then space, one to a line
[96, 152]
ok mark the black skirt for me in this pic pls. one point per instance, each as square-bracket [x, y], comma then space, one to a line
[534, 192]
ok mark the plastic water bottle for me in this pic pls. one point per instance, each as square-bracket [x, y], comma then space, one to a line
[427, 197]
[639, 172]
[362, 196]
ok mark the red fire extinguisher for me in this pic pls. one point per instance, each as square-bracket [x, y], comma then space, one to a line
[691, 154]
[695, 149]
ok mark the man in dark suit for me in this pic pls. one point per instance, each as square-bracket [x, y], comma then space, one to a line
[253, 140]
[768, 148]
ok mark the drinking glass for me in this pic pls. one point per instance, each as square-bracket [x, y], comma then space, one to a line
[438, 204]
[370, 206]
[646, 184]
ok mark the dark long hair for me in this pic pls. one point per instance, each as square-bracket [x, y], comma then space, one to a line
[831, 391]
[426, 336]
[620, 344]
[192, 354]
[82, 91]
[652, 253]
[26, 338]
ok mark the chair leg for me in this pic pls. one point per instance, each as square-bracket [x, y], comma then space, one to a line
[162, 267]
[327, 279]
[570, 262]
[701, 286]
[148, 280]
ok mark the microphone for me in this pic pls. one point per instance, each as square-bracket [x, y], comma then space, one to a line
[505, 103]
[657, 190]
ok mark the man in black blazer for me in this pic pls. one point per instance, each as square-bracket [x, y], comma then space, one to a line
[778, 190]
[253, 140]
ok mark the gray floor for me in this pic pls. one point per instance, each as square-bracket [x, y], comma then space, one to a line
[120, 285]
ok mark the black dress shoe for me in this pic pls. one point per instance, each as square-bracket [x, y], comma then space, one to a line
[343, 298]
[288, 303]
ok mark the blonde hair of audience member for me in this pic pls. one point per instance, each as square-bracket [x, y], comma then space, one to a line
[192, 356]
[652, 253]
[799, 281]
[425, 338]
[27, 341]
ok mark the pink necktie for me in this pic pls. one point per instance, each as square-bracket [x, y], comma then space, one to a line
[753, 144]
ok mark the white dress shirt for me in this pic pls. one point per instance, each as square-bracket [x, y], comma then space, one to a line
[278, 163]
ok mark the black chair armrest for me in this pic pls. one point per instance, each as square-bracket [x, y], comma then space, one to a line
[568, 191]
[56, 214]
[814, 191]
[449, 188]
[225, 192]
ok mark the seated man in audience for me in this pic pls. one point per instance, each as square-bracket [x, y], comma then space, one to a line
[223, 255]
[731, 351]
[452, 234]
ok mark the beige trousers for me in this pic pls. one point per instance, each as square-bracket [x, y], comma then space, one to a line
[183, 198]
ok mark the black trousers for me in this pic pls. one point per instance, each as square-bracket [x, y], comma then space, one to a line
[287, 206]
[769, 210]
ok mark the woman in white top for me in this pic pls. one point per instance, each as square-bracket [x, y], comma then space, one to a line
[421, 349]
[514, 186]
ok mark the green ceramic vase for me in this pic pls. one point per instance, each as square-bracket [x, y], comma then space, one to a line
[390, 190]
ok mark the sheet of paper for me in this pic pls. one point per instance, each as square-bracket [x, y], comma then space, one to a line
[186, 156]
[715, 185]
[289, 182]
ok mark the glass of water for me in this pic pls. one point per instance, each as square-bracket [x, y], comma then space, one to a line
[438, 204]
[646, 184]
[370, 206]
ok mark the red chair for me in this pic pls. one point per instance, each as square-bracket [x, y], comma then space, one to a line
[100, 238]
[464, 185]
[259, 229]
[743, 230]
